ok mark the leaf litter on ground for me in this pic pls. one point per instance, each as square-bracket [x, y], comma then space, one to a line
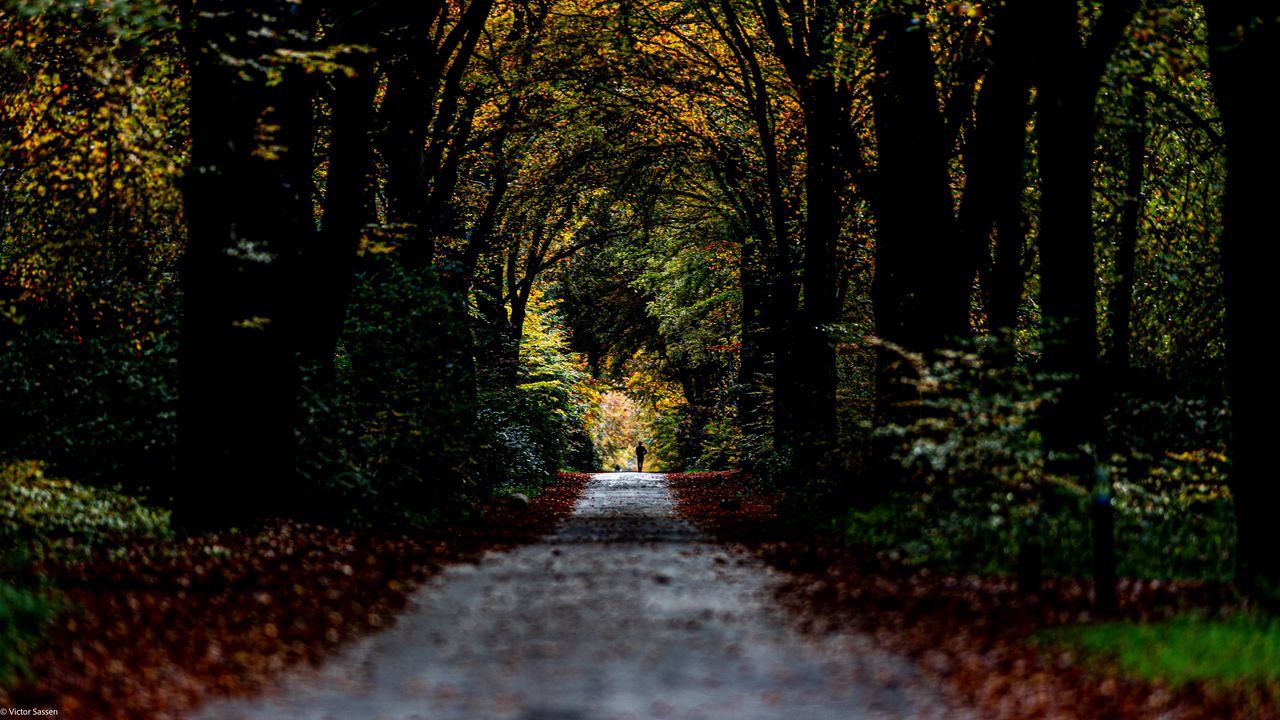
[979, 640]
[155, 627]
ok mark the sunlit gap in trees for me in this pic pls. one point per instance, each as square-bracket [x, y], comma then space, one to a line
[618, 425]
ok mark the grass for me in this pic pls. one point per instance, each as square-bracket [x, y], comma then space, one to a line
[23, 616]
[1187, 648]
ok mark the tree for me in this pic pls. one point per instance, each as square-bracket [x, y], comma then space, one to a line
[1069, 71]
[92, 130]
[924, 276]
[993, 223]
[249, 214]
[1243, 38]
[327, 269]
[808, 39]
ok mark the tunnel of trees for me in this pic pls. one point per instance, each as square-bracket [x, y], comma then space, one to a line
[972, 276]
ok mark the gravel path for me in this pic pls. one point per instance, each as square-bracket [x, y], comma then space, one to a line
[625, 612]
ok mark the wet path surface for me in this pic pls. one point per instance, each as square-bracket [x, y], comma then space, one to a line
[625, 612]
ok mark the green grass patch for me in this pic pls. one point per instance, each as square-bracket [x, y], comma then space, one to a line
[23, 616]
[1185, 649]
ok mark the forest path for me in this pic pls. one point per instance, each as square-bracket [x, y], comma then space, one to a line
[627, 611]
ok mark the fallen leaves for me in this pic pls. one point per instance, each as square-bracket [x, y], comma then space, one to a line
[974, 636]
[157, 626]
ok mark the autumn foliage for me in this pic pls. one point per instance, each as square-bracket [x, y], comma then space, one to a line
[969, 284]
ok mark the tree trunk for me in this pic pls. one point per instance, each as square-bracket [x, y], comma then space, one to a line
[413, 73]
[1065, 130]
[248, 204]
[515, 332]
[995, 177]
[426, 118]
[1069, 73]
[1120, 307]
[1244, 38]
[494, 331]
[924, 276]
[752, 360]
[812, 415]
[805, 426]
[327, 267]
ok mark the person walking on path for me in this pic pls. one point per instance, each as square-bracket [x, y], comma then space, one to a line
[640, 453]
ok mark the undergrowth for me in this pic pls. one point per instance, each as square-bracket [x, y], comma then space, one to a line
[51, 516]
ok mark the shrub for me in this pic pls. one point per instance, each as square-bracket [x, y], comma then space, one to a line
[333, 454]
[406, 381]
[979, 480]
[980, 484]
[519, 451]
[532, 430]
[55, 516]
[98, 404]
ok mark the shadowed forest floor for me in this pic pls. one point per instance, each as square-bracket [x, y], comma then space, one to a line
[588, 606]
[154, 628]
[976, 637]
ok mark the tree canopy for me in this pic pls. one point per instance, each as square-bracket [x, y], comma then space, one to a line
[984, 263]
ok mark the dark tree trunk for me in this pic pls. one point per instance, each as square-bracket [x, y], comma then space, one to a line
[752, 359]
[493, 356]
[994, 157]
[480, 238]
[924, 276]
[698, 385]
[1069, 73]
[813, 418]
[1244, 47]
[510, 363]
[793, 297]
[413, 72]
[1120, 307]
[426, 117]
[1102, 518]
[328, 266]
[1065, 131]
[249, 212]
[807, 42]
[422, 125]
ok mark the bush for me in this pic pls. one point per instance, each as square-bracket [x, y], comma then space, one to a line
[533, 430]
[1170, 527]
[722, 442]
[97, 404]
[522, 443]
[979, 481]
[55, 516]
[398, 431]
[333, 454]
[980, 484]
[406, 381]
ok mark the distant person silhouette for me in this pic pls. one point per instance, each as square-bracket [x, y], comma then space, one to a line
[640, 453]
